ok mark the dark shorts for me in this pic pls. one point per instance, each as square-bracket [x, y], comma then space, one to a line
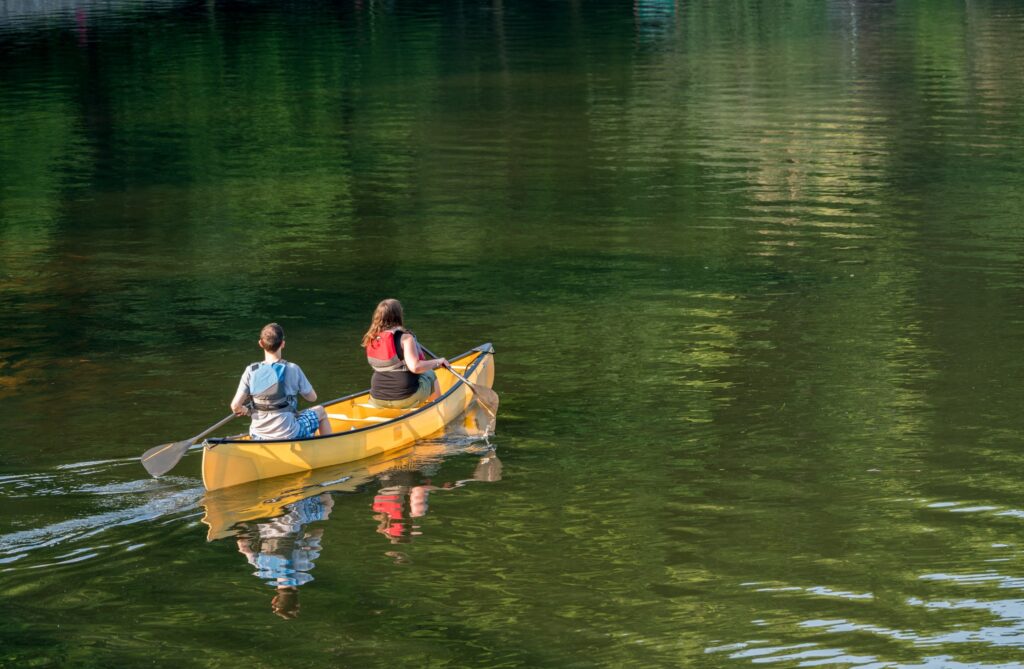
[426, 386]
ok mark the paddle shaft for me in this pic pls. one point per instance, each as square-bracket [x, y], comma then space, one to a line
[472, 386]
[448, 366]
[223, 421]
[161, 459]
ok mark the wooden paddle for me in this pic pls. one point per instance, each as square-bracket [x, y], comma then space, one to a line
[488, 398]
[161, 459]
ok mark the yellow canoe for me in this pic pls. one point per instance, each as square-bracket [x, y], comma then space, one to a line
[360, 430]
[268, 498]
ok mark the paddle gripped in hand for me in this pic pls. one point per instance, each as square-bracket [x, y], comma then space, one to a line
[487, 398]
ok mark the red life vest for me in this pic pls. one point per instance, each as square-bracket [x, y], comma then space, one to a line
[383, 354]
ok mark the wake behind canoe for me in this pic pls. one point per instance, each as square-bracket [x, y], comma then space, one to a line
[360, 430]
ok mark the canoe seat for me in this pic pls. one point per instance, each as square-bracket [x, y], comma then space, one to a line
[370, 412]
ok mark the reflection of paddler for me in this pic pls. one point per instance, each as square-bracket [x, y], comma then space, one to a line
[419, 500]
[393, 507]
[388, 505]
[283, 553]
[396, 505]
[286, 602]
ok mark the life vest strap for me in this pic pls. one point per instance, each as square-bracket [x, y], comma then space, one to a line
[384, 355]
[267, 388]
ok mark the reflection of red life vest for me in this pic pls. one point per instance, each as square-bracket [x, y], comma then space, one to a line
[391, 506]
[384, 354]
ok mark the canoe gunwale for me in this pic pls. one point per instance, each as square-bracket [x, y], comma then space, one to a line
[484, 349]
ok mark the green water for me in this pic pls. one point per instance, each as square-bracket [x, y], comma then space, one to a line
[753, 271]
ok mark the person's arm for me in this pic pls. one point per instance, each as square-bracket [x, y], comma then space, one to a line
[411, 349]
[238, 404]
[305, 387]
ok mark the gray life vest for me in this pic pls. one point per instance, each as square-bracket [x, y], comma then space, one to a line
[267, 388]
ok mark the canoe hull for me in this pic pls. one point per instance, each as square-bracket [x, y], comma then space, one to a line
[269, 498]
[230, 463]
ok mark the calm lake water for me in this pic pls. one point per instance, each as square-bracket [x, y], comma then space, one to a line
[753, 271]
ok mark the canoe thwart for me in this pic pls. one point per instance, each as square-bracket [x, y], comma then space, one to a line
[368, 419]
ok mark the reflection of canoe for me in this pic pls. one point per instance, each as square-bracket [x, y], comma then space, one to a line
[267, 498]
[360, 430]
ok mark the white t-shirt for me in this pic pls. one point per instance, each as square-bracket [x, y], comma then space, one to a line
[276, 424]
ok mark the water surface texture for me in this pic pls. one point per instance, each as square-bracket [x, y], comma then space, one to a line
[753, 270]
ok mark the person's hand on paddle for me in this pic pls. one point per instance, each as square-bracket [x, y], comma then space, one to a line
[240, 404]
[442, 362]
[487, 397]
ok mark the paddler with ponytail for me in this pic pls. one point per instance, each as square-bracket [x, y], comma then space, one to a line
[403, 377]
[269, 390]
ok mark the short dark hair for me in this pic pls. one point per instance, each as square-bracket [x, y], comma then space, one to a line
[271, 337]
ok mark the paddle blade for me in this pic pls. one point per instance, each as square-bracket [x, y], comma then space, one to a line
[487, 398]
[161, 459]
